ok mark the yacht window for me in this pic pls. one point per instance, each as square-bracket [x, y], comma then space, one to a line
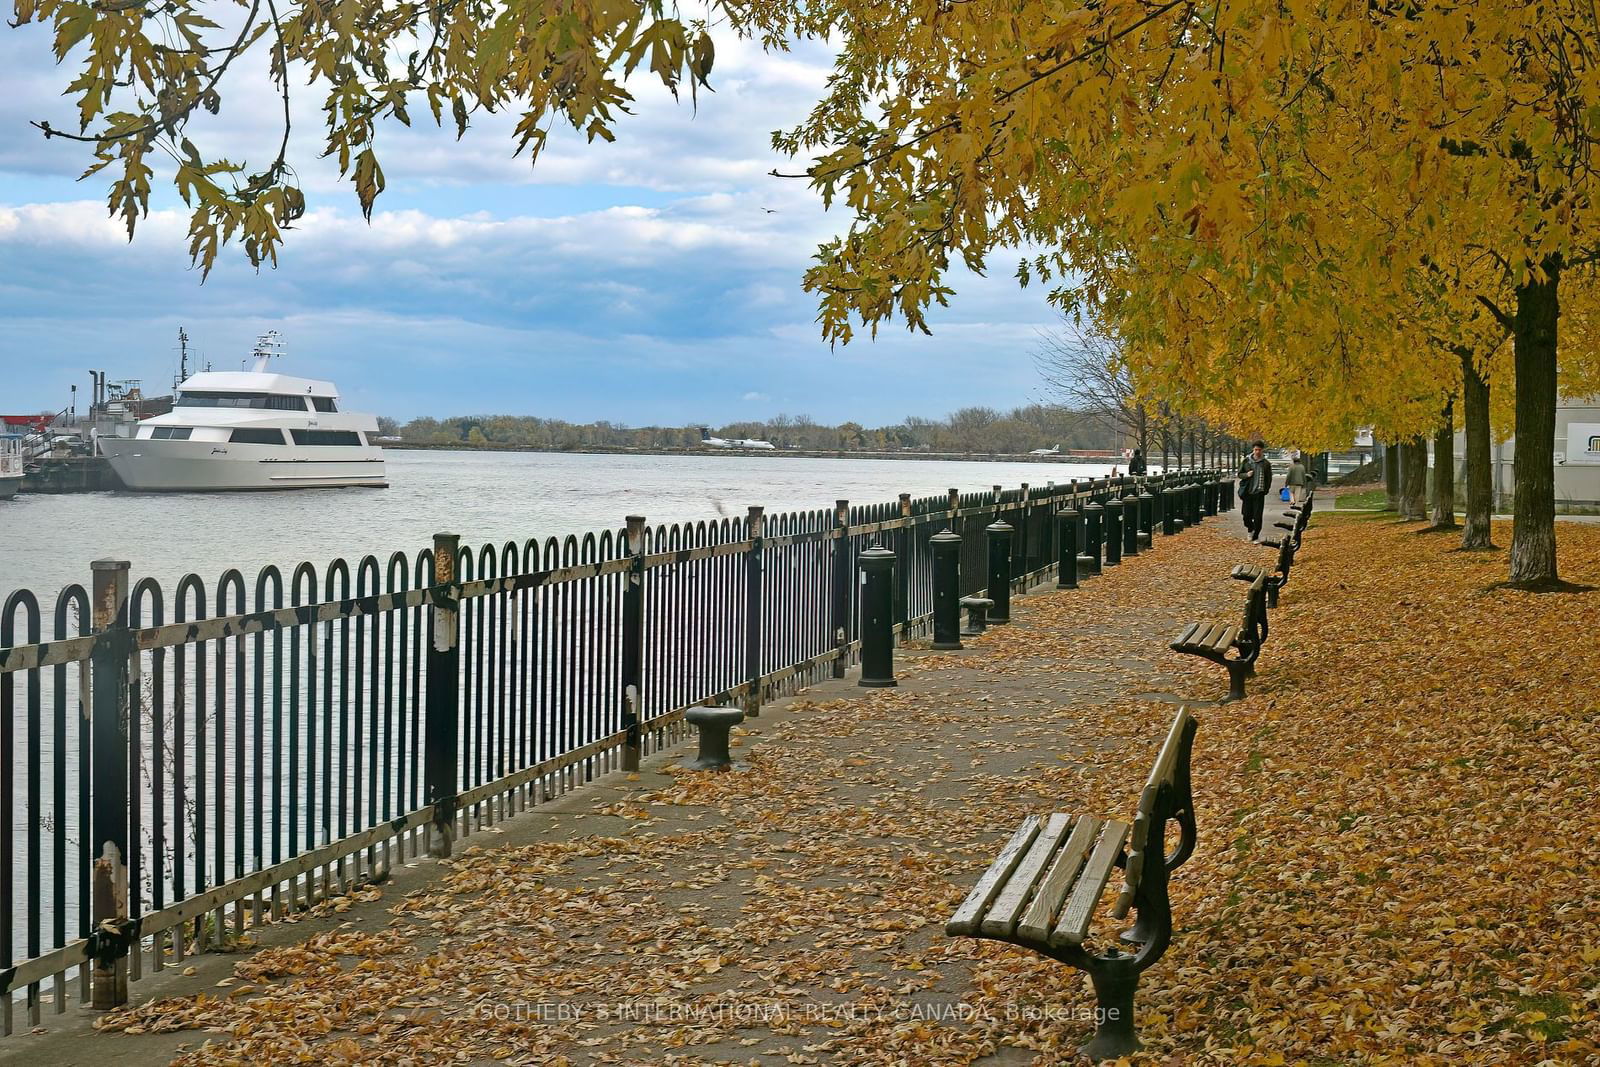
[270, 401]
[171, 433]
[323, 403]
[326, 437]
[257, 437]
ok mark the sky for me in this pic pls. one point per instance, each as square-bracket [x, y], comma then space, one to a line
[651, 281]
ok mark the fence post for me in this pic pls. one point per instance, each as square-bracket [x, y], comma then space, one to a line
[902, 578]
[1113, 526]
[1021, 543]
[1067, 543]
[946, 548]
[1147, 514]
[1092, 513]
[1130, 522]
[999, 571]
[108, 662]
[633, 642]
[756, 530]
[1212, 485]
[843, 576]
[443, 711]
[877, 624]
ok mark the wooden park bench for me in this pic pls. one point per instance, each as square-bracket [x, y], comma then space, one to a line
[1296, 527]
[1215, 640]
[1041, 892]
[1276, 576]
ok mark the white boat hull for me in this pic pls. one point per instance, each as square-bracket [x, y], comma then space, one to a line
[205, 466]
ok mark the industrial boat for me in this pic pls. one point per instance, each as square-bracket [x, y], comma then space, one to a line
[253, 429]
[10, 465]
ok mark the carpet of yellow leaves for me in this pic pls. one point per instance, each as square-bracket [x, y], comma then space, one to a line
[1396, 865]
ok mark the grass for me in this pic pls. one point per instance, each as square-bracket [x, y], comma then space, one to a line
[1368, 500]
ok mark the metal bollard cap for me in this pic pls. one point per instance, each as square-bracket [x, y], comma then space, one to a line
[944, 537]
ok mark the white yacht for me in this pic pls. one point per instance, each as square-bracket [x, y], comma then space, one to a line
[10, 465]
[250, 430]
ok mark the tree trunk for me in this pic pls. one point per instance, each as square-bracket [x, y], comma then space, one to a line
[1391, 475]
[1414, 479]
[1475, 420]
[1444, 469]
[1533, 534]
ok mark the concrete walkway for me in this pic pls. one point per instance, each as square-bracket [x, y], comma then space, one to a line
[789, 912]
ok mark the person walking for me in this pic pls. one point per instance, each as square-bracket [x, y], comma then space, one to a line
[1255, 479]
[1136, 465]
[1295, 479]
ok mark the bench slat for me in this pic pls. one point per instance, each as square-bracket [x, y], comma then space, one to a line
[1001, 920]
[965, 920]
[1074, 924]
[1041, 914]
[1167, 758]
[1188, 632]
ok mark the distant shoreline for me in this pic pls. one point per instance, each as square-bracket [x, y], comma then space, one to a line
[796, 453]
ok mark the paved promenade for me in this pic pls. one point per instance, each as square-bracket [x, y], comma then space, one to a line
[792, 912]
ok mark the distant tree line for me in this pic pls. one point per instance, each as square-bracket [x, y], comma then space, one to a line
[971, 429]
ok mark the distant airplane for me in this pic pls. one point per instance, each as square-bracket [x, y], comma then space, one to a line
[734, 442]
[1056, 451]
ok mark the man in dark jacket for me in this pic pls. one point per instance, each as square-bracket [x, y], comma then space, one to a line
[1255, 479]
[1136, 465]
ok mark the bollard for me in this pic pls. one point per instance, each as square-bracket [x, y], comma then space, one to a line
[999, 572]
[1067, 540]
[1147, 517]
[1211, 495]
[1092, 515]
[1130, 522]
[1113, 528]
[1228, 494]
[1172, 503]
[113, 932]
[977, 614]
[946, 548]
[714, 724]
[877, 618]
[1196, 508]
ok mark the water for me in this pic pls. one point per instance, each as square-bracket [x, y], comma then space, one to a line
[48, 541]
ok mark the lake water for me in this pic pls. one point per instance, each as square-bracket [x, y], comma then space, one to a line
[48, 541]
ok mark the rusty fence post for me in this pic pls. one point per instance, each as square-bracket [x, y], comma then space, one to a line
[633, 643]
[902, 577]
[755, 530]
[443, 710]
[109, 754]
[843, 581]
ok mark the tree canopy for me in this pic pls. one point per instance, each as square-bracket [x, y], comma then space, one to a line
[1317, 209]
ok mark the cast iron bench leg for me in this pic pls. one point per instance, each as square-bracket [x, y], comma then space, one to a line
[1238, 671]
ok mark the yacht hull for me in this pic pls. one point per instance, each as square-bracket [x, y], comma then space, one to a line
[10, 486]
[203, 466]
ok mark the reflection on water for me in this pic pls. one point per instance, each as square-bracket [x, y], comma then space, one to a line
[484, 496]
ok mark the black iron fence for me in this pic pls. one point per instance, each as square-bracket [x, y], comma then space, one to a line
[176, 769]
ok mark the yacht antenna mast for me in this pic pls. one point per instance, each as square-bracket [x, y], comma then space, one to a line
[183, 358]
[267, 346]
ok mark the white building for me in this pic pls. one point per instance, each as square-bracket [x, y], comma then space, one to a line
[1577, 448]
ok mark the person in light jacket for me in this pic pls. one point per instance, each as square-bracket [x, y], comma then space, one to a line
[1255, 480]
[1295, 479]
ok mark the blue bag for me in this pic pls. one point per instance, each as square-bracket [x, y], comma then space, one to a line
[1283, 494]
